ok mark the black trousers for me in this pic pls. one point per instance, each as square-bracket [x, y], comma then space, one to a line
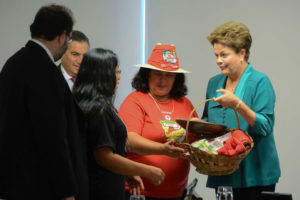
[251, 193]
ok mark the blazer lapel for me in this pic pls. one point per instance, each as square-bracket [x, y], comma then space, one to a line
[242, 84]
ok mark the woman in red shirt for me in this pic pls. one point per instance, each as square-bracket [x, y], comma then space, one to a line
[150, 113]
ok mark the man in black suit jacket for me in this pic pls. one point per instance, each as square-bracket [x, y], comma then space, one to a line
[42, 152]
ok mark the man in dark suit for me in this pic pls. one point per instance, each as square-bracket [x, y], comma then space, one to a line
[72, 58]
[42, 152]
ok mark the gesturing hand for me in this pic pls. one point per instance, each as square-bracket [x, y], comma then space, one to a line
[228, 99]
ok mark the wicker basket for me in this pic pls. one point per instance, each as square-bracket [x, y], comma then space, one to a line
[212, 164]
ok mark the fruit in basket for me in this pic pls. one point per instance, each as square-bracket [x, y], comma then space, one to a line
[238, 143]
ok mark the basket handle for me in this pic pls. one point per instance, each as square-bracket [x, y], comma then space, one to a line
[188, 121]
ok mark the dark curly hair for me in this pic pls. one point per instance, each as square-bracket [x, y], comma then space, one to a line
[51, 21]
[140, 83]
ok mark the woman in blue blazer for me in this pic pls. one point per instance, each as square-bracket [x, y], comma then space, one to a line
[251, 94]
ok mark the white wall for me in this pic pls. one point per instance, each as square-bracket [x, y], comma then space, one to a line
[274, 25]
[114, 24]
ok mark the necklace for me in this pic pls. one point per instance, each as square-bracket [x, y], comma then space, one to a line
[166, 113]
[230, 85]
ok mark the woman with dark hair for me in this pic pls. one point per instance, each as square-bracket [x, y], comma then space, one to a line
[95, 85]
[149, 114]
[178, 90]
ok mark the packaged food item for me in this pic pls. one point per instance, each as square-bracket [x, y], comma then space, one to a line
[212, 145]
[173, 131]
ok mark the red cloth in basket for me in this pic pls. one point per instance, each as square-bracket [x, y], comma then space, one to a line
[238, 143]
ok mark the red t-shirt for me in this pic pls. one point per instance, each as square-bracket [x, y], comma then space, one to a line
[154, 121]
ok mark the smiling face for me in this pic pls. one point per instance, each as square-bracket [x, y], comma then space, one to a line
[161, 84]
[72, 58]
[228, 60]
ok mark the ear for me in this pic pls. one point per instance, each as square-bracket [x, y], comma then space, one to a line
[61, 38]
[242, 54]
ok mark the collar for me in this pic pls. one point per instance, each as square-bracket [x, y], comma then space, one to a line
[64, 72]
[45, 48]
[240, 88]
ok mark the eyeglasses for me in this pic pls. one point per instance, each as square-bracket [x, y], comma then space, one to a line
[69, 39]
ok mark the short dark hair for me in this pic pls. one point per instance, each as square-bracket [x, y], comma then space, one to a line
[96, 81]
[140, 83]
[80, 37]
[51, 21]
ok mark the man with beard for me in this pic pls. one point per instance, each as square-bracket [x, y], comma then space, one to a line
[42, 151]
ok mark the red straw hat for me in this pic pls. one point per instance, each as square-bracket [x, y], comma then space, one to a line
[163, 58]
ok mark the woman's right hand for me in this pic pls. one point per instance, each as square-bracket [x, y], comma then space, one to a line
[228, 99]
[171, 150]
[155, 175]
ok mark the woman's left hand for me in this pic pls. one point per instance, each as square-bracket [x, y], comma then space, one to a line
[228, 99]
[135, 184]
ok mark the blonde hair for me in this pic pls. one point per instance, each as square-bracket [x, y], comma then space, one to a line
[232, 34]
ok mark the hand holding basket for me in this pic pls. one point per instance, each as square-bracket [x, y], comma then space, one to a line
[207, 162]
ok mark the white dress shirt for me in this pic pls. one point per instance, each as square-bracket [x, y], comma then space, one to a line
[67, 77]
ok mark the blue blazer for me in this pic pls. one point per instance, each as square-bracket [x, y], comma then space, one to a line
[42, 147]
[261, 166]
